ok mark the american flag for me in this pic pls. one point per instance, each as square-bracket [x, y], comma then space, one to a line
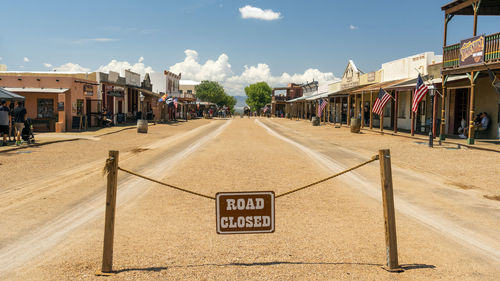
[321, 105]
[420, 92]
[382, 99]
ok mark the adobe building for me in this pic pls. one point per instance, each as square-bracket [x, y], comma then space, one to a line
[57, 103]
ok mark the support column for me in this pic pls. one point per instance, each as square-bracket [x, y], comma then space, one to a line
[412, 113]
[443, 113]
[348, 110]
[396, 93]
[371, 108]
[434, 115]
[362, 110]
[470, 139]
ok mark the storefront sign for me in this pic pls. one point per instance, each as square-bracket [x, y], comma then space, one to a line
[60, 106]
[245, 212]
[472, 51]
[371, 76]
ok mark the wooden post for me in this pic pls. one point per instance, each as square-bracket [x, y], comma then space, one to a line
[389, 215]
[109, 225]
[434, 116]
[470, 139]
[412, 113]
[348, 110]
[371, 108]
[362, 110]
[443, 113]
[396, 111]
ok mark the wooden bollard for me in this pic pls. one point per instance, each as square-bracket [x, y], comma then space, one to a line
[389, 215]
[109, 225]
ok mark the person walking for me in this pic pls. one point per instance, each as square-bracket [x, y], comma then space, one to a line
[4, 121]
[19, 115]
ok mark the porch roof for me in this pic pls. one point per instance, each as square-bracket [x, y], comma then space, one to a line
[37, 90]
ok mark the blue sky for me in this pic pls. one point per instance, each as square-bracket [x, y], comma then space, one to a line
[319, 35]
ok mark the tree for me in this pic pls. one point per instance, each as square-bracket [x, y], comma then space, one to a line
[211, 91]
[230, 102]
[258, 95]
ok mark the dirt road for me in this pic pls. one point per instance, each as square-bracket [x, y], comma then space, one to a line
[330, 231]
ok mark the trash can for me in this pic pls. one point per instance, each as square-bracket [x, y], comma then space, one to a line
[315, 121]
[142, 126]
[355, 125]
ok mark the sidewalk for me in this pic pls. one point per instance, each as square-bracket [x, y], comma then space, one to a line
[492, 145]
[52, 137]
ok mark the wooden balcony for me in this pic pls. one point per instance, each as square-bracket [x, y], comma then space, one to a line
[451, 56]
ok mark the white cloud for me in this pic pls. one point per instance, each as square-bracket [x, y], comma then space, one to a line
[249, 12]
[220, 70]
[26, 59]
[47, 65]
[190, 68]
[141, 59]
[121, 66]
[352, 27]
[101, 39]
[71, 67]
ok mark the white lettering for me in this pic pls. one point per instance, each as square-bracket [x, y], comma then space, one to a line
[249, 221]
[223, 222]
[232, 224]
[250, 205]
[259, 203]
[241, 204]
[230, 204]
[241, 222]
[266, 221]
[256, 221]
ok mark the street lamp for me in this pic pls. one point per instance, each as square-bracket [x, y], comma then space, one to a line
[141, 96]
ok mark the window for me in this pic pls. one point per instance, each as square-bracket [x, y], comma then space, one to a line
[45, 108]
[190, 91]
[180, 91]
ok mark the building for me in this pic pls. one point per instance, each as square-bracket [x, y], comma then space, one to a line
[476, 58]
[278, 102]
[3, 67]
[54, 101]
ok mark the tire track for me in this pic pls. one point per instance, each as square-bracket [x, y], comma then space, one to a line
[41, 240]
[460, 234]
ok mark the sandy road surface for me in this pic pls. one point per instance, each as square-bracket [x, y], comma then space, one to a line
[331, 231]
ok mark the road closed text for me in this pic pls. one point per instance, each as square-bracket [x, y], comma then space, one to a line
[245, 212]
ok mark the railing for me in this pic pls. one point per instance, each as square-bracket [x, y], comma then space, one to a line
[280, 98]
[451, 53]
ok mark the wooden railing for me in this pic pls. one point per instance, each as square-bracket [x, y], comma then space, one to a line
[451, 53]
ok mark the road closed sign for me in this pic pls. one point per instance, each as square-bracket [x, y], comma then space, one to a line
[245, 212]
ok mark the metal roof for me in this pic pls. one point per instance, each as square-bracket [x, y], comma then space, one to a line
[377, 86]
[7, 95]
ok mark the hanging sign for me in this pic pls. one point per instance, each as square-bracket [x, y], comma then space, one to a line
[472, 51]
[245, 212]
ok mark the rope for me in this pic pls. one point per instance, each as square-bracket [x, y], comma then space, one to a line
[374, 158]
[166, 184]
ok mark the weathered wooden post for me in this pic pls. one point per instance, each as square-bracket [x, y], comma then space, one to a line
[389, 215]
[109, 225]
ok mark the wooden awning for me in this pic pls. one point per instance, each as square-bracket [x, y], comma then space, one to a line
[464, 7]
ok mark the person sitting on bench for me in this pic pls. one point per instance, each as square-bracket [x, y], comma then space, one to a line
[482, 125]
[106, 119]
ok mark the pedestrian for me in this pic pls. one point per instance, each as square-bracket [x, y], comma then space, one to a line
[4, 121]
[19, 115]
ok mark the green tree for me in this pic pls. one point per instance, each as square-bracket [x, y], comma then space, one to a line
[211, 91]
[230, 102]
[258, 95]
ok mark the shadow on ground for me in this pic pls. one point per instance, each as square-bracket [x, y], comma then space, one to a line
[161, 268]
